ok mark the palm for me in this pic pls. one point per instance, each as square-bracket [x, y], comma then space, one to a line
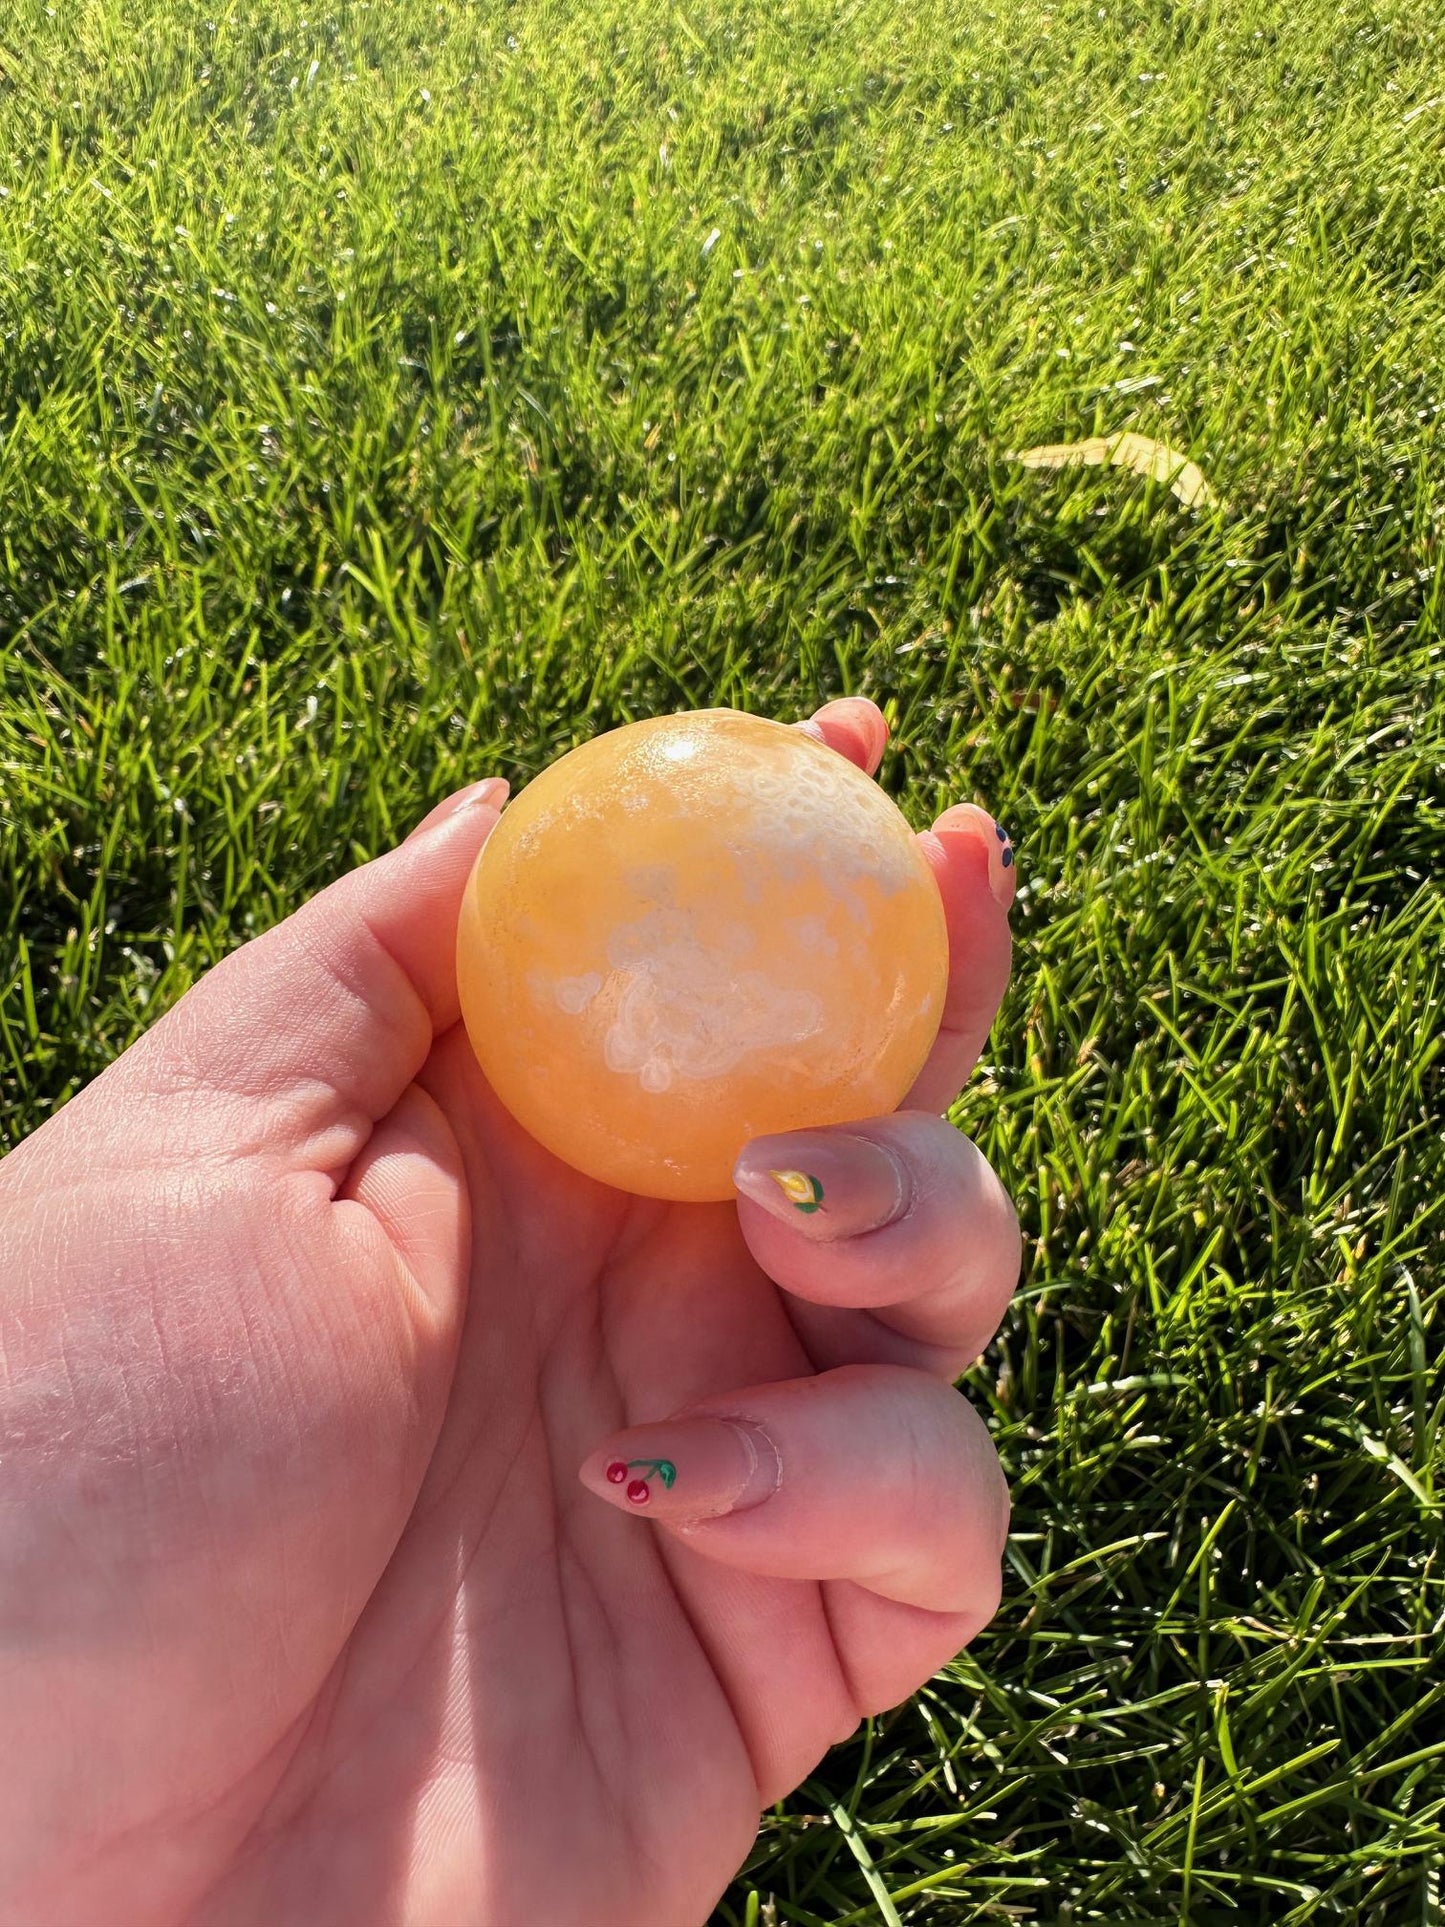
[435, 1668]
[633, 1760]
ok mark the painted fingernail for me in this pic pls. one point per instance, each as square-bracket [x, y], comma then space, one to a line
[492, 790]
[685, 1469]
[826, 1184]
[1002, 878]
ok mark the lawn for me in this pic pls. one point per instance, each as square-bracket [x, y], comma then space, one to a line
[392, 394]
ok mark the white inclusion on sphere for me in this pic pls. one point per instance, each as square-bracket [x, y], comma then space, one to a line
[572, 994]
[813, 935]
[810, 818]
[687, 1010]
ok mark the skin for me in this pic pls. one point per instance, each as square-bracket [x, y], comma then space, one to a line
[304, 1611]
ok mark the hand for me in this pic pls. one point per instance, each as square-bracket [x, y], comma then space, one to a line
[305, 1615]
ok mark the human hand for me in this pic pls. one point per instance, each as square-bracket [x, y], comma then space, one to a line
[304, 1612]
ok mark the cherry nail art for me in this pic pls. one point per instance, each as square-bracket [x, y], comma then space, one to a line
[700, 1466]
[1008, 849]
[639, 1491]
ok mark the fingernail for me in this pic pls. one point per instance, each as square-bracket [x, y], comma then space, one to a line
[1002, 878]
[687, 1468]
[864, 720]
[826, 1184]
[810, 728]
[492, 790]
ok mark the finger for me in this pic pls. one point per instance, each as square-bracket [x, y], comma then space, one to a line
[872, 1473]
[972, 859]
[328, 1017]
[899, 1217]
[492, 789]
[854, 727]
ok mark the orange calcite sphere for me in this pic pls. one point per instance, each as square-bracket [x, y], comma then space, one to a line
[692, 931]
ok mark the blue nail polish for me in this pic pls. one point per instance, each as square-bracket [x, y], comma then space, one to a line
[1008, 857]
[1000, 832]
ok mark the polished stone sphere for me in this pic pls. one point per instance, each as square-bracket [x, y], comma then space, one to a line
[693, 931]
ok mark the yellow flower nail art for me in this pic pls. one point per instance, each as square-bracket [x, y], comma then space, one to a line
[799, 1189]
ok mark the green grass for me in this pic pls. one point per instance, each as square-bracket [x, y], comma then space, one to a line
[390, 395]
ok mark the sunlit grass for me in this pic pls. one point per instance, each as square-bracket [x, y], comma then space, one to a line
[393, 394]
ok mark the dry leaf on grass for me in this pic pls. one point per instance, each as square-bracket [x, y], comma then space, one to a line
[1138, 452]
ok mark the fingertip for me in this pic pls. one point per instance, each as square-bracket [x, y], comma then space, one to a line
[873, 1473]
[491, 791]
[852, 725]
[970, 837]
[935, 1257]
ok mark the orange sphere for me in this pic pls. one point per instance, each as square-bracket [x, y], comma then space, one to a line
[690, 932]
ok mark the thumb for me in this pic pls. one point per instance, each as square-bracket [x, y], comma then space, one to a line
[330, 1015]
